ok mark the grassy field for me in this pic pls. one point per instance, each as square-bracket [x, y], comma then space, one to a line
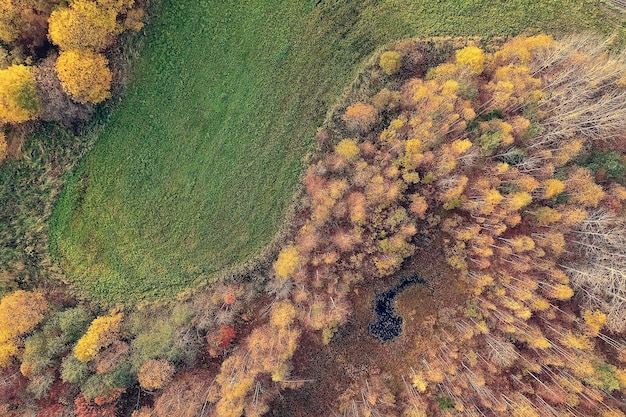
[197, 165]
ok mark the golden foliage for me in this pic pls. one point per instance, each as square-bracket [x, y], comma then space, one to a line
[419, 382]
[8, 350]
[390, 62]
[521, 243]
[154, 374]
[282, 314]
[546, 215]
[552, 187]
[513, 86]
[18, 95]
[460, 146]
[267, 350]
[520, 49]
[83, 25]
[100, 334]
[582, 189]
[472, 57]
[561, 292]
[20, 312]
[347, 148]
[568, 150]
[84, 75]
[516, 201]
[503, 230]
[8, 30]
[579, 341]
[595, 319]
[287, 262]
[538, 341]
[3, 147]
[527, 183]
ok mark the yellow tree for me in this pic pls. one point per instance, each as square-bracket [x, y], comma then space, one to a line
[582, 189]
[18, 95]
[348, 149]
[472, 57]
[101, 333]
[552, 187]
[8, 13]
[287, 262]
[390, 62]
[84, 75]
[83, 25]
[282, 315]
[20, 313]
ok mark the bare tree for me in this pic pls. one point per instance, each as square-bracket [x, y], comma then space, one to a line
[601, 274]
[581, 79]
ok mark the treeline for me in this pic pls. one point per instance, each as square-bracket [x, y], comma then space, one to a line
[53, 57]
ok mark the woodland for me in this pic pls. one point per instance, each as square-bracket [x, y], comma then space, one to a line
[433, 223]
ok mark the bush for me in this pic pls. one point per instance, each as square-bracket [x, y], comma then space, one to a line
[390, 62]
[473, 57]
[360, 117]
[18, 94]
[607, 377]
[155, 373]
[103, 385]
[84, 75]
[73, 370]
[605, 165]
[74, 322]
[156, 341]
[39, 385]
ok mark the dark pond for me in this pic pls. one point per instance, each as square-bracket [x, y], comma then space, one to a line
[388, 325]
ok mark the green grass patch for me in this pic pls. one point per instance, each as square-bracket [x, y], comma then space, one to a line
[195, 169]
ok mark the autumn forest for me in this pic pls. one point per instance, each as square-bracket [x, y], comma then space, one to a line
[331, 211]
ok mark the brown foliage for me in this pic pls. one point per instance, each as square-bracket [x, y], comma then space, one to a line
[360, 117]
[185, 396]
[154, 374]
[111, 357]
[86, 408]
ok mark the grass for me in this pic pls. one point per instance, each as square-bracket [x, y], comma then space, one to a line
[28, 188]
[195, 169]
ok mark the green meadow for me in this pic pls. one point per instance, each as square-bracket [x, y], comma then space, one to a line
[197, 165]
